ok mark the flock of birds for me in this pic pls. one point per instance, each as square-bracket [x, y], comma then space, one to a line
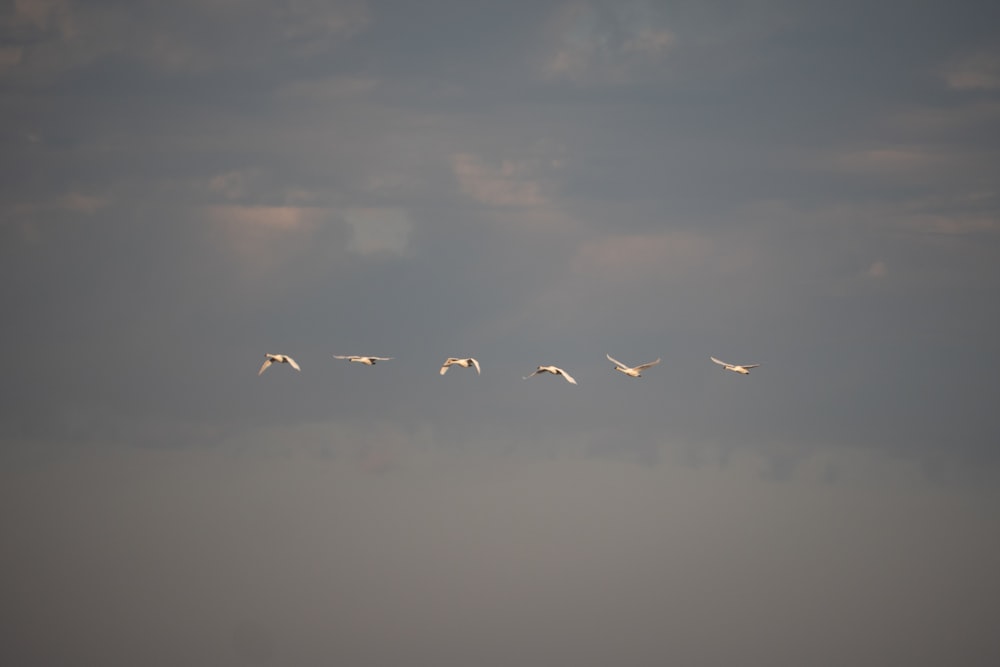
[630, 371]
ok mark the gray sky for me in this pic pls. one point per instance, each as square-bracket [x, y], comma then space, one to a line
[809, 186]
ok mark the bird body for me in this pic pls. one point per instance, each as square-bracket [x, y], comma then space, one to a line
[742, 369]
[464, 363]
[277, 359]
[555, 370]
[367, 361]
[634, 371]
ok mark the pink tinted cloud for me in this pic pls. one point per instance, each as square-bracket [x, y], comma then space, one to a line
[506, 185]
[263, 238]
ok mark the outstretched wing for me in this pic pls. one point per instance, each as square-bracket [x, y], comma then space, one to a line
[380, 358]
[645, 366]
[721, 363]
[569, 378]
[749, 365]
[615, 361]
[448, 362]
[533, 374]
[264, 367]
[476, 364]
[343, 356]
[291, 362]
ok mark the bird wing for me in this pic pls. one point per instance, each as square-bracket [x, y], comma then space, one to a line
[291, 362]
[264, 367]
[721, 363]
[569, 378]
[445, 365]
[342, 356]
[380, 358]
[749, 365]
[476, 364]
[612, 359]
[645, 366]
[533, 374]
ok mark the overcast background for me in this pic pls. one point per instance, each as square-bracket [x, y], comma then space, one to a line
[811, 186]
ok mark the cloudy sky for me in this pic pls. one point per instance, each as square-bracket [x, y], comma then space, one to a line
[811, 186]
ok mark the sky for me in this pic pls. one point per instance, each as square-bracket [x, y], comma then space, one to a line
[808, 186]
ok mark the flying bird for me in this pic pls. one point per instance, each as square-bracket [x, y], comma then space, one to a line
[554, 370]
[367, 361]
[464, 363]
[635, 371]
[278, 359]
[742, 369]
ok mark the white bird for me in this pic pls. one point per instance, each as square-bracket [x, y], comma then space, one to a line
[464, 363]
[742, 369]
[278, 359]
[554, 370]
[367, 361]
[634, 371]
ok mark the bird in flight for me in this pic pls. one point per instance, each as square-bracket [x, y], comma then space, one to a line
[278, 359]
[635, 371]
[367, 361]
[742, 369]
[554, 370]
[464, 363]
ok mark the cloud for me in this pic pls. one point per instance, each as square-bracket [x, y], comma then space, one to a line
[933, 166]
[621, 272]
[947, 119]
[32, 214]
[235, 185]
[278, 218]
[379, 231]
[980, 71]
[625, 255]
[62, 36]
[54, 15]
[951, 225]
[877, 270]
[312, 23]
[886, 160]
[329, 89]
[82, 203]
[614, 46]
[506, 185]
[264, 238]
[10, 56]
